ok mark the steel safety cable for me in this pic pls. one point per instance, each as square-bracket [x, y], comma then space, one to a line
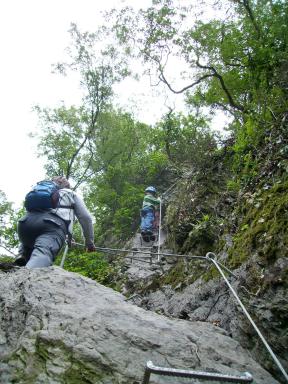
[159, 230]
[211, 256]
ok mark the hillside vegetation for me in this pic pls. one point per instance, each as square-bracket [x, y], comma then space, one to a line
[227, 192]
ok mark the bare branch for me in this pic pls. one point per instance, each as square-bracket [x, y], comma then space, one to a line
[84, 174]
[223, 85]
[198, 81]
[94, 116]
[73, 157]
[165, 81]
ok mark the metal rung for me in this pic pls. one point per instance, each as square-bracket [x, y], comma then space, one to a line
[150, 368]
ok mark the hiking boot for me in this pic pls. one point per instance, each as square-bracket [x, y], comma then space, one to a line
[20, 261]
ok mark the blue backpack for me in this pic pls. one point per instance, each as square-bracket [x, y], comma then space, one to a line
[44, 195]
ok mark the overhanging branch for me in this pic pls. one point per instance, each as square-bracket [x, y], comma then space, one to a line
[223, 86]
[213, 73]
[165, 81]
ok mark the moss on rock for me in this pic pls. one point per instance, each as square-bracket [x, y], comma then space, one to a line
[264, 227]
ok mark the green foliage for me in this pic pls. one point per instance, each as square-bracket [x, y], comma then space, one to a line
[4, 205]
[8, 223]
[68, 134]
[176, 275]
[195, 218]
[202, 236]
[5, 259]
[63, 132]
[233, 185]
[5, 210]
[185, 139]
[115, 194]
[92, 265]
[249, 56]
[236, 62]
[264, 226]
[126, 218]
[133, 156]
[113, 156]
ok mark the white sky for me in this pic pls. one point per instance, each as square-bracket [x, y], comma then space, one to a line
[33, 36]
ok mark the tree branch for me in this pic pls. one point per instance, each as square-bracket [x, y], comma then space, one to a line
[75, 154]
[80, 180]
[213, 74]
[94, 116]
[223, 85]
[251, 16]
[165, 81]
[225, 108]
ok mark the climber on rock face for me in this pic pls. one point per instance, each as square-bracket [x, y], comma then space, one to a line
[149, 213]
[51, 207]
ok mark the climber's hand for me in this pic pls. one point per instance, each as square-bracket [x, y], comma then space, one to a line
[91, 248]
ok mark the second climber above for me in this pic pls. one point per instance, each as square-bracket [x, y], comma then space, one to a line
[149, 212]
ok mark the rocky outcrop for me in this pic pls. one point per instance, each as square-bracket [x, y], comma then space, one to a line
[59, 327]
[192, 291]
[247, 229]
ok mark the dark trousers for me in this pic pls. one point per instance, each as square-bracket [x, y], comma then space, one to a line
[42, 236]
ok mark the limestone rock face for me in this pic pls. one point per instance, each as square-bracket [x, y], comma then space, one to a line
[59, 327]
[213, 302]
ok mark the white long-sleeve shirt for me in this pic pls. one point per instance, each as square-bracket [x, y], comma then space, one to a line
[69, 198]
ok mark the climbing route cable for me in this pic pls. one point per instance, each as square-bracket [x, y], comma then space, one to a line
[211, 257]
[163, 195]
[64, 255]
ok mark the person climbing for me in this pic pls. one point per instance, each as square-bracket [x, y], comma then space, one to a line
[149, 213]
[42, 231]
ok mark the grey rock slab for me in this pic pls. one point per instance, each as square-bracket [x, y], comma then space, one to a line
[59, 327]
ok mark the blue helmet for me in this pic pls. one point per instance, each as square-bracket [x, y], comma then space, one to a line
[150, 189]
